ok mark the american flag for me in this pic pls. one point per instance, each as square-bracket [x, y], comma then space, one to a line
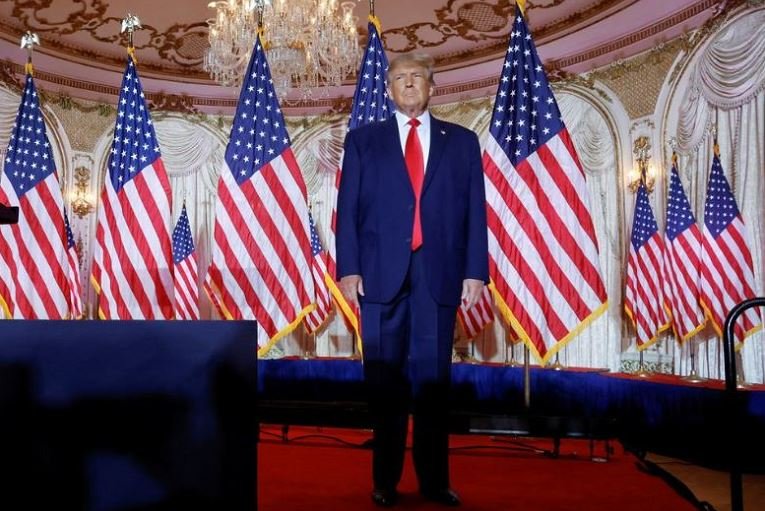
[644, 299]
[186, 271]
[543, 254]
[370, 104]
[261, 254]
[681, 261]
[727, 277]
[133, 260]
[33, 261]
[316, 318]
[73, 273]
[475, 319]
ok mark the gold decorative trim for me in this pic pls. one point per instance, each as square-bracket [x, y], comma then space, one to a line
[172, 103]
[635, 37]
[174, 44]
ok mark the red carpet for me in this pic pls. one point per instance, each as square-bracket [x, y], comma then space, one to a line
[490, 474]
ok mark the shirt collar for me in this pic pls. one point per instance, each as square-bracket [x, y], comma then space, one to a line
[403, 119]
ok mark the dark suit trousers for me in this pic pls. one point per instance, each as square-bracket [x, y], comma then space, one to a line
[407, 367]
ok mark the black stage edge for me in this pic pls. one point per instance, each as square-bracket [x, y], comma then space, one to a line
[128, 415]
[662, 414]
[353, 414]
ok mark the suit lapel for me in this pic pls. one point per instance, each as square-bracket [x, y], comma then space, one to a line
[439, 134]
[392, 153]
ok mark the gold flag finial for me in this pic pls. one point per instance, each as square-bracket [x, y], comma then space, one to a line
[372, 18]
[28, 41]
[130, 24]
[715, 146]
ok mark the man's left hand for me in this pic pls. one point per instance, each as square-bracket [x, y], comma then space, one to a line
[471, 292]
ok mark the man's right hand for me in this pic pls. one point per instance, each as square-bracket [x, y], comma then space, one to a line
[351, 287]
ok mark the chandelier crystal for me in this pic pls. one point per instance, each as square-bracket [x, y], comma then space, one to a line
[309, 43]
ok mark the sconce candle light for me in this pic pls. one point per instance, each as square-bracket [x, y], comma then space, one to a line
[644, 172]
[81, 205]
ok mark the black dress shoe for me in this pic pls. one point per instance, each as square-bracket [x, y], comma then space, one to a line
[384, 498]
[445, 497]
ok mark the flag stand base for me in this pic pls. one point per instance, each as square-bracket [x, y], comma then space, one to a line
[556, 366]
[642, 372]
[694, 377]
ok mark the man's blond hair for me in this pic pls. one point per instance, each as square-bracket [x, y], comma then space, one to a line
[416, 57]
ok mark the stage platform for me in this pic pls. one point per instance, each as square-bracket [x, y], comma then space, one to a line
[662, 413]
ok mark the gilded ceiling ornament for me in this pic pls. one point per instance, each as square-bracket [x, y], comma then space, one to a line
[8, 75]
[178, 45]
[562, 80]
[172, 103]
[466, 19]
[83, 15]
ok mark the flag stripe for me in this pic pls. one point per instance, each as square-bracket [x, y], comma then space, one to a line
[261, 256]
[38, 280]
[133, 264]
[682, 260]
[370, 104]
[543, 253]
[186, 277]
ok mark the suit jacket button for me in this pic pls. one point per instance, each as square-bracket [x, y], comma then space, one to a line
[408, 240]
[411, 207]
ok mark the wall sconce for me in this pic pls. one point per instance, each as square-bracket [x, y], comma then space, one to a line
[643, 173]
[82, 205]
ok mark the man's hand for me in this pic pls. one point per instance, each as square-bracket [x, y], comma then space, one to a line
[471, 292]
[351, 287]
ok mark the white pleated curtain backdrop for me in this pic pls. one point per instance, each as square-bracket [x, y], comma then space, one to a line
[727, 90]
[193, 157]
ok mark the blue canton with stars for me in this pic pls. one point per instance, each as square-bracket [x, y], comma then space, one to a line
[720, 208]
[258, 134]
[135, 145]
[679, 214]
[644, 224]
[315, 240]
[29, 159]
[371, 102]
[183, 243]
[526, 115]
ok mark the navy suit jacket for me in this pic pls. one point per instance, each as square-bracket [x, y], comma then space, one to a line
[375, 211]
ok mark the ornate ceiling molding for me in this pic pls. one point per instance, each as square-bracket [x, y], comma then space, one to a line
[635, 37]
[179, 45]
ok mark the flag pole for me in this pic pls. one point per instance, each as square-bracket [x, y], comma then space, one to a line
[741, 382]
[512, 362]
[693, 376]
[526, 378]
[557, 366]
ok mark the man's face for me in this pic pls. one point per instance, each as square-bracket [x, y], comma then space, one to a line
[410, 89]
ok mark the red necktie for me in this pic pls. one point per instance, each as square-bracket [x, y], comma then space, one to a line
[416, 168]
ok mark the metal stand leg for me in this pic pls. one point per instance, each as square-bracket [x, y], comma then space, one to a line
[642, 372]
[693, 376]
[557, 366]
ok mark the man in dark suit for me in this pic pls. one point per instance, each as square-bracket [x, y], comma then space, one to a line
[411, 244]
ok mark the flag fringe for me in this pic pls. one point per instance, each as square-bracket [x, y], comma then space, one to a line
[345, 308]
[504, 310]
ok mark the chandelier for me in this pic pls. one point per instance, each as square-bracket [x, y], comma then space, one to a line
[309, 43]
